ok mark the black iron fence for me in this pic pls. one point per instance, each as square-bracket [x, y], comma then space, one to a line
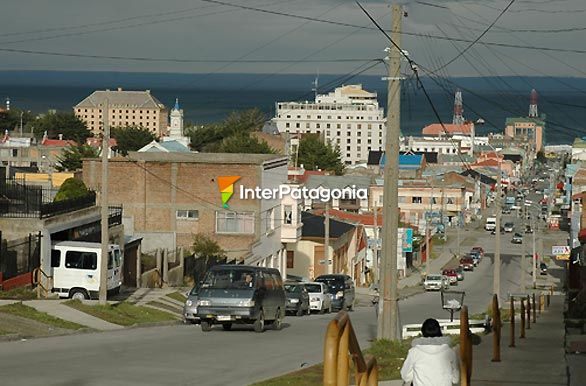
[20, 200]
[19, 256]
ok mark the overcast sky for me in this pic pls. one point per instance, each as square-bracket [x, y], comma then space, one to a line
[195, 30]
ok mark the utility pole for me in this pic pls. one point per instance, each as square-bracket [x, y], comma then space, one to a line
[330, 265]
[103, 294]
[496, 280]
[387, 319]
[460, 218]
[523, 260]
[533, 259]
[375, 265]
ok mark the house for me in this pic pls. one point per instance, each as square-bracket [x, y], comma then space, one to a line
[355, 201]
[347, 248]
[170, 196]
[168, 146]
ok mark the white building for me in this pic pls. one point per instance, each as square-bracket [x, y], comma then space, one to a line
[175, 129]
[349, 117]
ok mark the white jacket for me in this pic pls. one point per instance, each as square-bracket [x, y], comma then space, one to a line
[431, 362]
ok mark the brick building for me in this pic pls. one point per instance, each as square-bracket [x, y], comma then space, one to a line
[169, 197]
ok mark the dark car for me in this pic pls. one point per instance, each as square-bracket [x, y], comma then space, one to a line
[543, 269]
[341, 287]
[460, 273]
[297, 299]
[528, 229]
[467, 263]
[517, 238]
[241, 294]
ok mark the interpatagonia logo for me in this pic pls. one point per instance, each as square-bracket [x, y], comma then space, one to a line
[226, 186]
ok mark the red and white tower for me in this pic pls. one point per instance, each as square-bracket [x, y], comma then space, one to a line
[458, 109]
[533, 104]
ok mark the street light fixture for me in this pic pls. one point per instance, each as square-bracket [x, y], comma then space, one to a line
[452, 301]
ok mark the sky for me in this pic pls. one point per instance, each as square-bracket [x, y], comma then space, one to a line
[171, 35]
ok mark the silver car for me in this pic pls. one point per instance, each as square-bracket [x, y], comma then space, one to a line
[319, 298]
[436, 282]
[190, 307]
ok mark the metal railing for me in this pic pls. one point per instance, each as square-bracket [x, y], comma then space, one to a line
[340, 346]
[37, 276]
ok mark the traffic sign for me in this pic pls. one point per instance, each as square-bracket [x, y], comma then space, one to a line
[560, 250]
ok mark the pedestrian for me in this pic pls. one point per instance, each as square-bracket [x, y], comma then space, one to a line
[375, 301]
[431, 361]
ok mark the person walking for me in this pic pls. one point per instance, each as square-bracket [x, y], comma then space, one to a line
[431, 361]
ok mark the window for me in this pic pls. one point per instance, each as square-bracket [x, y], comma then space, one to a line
[55, 258]
[307, 125]
[287, 214]
[269, 221]
[297, 125]
[450, 200]
[416, 200]
[327, 125]
[233, 222]
[287, 125]
[81, 260]
[187, 214]
[290, 259]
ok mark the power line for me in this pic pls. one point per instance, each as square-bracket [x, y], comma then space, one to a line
[479, 36]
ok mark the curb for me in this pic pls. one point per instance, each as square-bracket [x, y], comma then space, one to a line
[153, 324]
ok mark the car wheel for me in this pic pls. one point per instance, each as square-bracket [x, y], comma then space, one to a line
[278, 322]
[259, 324]
[299, 311]
[206, 326]
[227, 326]
[78, 294]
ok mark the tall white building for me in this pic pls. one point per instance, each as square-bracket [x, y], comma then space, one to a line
[349, 117]
[175, 129]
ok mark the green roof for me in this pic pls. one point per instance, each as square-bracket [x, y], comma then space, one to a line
[537, 121]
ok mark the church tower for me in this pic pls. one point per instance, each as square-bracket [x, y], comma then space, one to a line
[176, 128]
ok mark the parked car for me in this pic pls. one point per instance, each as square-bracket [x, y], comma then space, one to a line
[436, 282]
[460, 273]
[509, 227]
[452, 276]
[341, 287]
[297, 299]
[543, 269]
[517, 238]
[494, 231]
[319, 298]
[475, 257]
[190, 307]
[467, 263]
[241, 294]
[479, 250]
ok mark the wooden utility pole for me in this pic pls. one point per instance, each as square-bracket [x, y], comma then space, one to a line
[103, 294]
[387, 319]
[327, 240]
[496, 282]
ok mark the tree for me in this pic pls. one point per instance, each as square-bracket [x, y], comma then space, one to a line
[245, 143]
[71, 159]
[540, 157]
[70, 189]
[204, 247]
[314, 154]
[209, 137]
[131, 138]
[67, 124]
[10, 120]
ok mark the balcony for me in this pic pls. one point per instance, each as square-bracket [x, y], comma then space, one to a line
[19, 200]
[291, 233]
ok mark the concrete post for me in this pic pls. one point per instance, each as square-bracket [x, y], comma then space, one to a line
[165, 266]
[138, 266]
[512, 324]
[159, 260]
[522, 336]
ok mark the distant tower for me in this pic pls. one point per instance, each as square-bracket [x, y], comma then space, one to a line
[176, 128]
[7, 104]
[533, 104]
[458, 109]
[315, 85]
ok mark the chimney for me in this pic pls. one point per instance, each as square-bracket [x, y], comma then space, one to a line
[61, 137]
[119, 88]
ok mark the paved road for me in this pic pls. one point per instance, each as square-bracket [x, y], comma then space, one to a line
[183, 355]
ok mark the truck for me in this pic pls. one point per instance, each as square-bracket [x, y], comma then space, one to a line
[490, 224]
[77, 266]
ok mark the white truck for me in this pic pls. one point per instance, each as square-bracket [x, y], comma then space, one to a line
[490, 224]
[76, 269]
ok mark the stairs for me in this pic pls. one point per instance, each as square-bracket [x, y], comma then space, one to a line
[157, 298]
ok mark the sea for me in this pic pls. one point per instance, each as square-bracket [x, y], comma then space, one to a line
[207, 98]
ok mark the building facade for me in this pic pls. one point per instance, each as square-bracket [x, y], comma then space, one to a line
[349, 117]
[169, 197]
[125, 108]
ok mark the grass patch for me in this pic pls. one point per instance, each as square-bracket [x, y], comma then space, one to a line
[389, 357]
[165, 306]
[21, 293]
[505, 314]
[438, 240]
[24, 311]
[177, 296]
[123, 313]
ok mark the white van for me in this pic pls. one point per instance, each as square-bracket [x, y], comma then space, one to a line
[76, 269]
[490, 224]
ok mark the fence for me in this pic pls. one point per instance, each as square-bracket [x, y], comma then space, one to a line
[20, 256]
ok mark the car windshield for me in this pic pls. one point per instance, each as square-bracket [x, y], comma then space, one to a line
[193, 291]
[229, 278]
[332, 283]
[314, 288]
[293, 288]
[434, 277]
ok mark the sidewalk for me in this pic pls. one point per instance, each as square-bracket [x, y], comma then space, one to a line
[59, 310]
[539, 359]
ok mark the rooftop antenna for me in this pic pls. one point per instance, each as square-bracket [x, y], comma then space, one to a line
[315, 85]
[533, 104]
